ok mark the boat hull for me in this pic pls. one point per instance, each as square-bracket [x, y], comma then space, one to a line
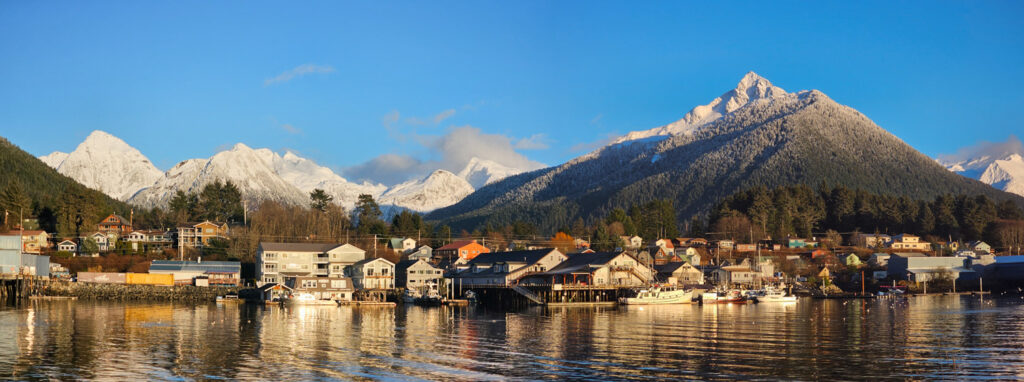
[662, 298]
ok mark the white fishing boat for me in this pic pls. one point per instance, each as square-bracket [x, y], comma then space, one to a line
[658, 296]
[776, 295]
[306, 299]
[722, 297]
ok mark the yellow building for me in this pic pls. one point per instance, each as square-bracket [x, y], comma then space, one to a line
[199, 235]
[34, 241]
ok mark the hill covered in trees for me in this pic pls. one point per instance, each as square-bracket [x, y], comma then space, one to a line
[30, 187]
[790, 139]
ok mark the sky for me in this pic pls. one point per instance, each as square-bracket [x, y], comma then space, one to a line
[386, 91]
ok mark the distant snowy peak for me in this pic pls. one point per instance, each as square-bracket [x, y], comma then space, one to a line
[108, 164]
[481, 172]
[1004, 171]
[439, 189]
[751, 88]
[54, 159]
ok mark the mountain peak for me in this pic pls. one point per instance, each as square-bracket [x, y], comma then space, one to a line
[240, 147]
[751, 79]
[751, 88]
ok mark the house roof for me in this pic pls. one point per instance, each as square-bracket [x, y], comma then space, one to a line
[195, 266]
[121, 219]
[457, 244]
[737, 268]
[299, 247]
[396, 243]
[528, 257]
[670, 267]
[405, 264]
[370, 260]
[32, 232]
[583, 262]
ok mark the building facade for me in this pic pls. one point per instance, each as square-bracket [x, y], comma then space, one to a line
[275, 261]
[373, 274]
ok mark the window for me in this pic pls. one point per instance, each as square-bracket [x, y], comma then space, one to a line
[465, 252]
[369, 271]
[269, 279]
[384, 271]
[270, 267]
[338, 284]
[269, 256]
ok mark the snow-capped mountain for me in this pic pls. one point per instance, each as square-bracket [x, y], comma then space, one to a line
[439, 189]
[999, 165]
[755, 135]
[54, 159]
[252, 171]
[481, 172]
[106, 163]
[751, 88]
[306, 175]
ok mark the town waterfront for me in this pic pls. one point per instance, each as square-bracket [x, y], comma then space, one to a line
[924, 337]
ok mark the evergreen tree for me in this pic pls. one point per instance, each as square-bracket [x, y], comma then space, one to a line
[318, 200]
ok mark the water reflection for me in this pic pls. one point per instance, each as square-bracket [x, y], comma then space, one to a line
[917, 338]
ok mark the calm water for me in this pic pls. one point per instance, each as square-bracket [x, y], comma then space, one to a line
[917, 338]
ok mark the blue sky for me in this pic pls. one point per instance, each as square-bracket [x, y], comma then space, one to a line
[390, 88]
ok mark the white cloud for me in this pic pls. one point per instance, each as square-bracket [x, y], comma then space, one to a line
[389, 169]
[452, 151]
[1013, 145]
[593, 145]
[291, 129]
[534, 142]
[435, 120]
[443, 116]
[297, 72]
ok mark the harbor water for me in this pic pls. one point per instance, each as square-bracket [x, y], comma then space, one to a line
[932, 337]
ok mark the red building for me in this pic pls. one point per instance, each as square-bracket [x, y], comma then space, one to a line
[116, 224]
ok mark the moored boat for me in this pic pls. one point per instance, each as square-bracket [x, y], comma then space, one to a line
[659, 296]
[776, 295]
[722, 297]
[306, 299]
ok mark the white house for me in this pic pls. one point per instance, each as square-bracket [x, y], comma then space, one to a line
[67, 246]
[417, 274]
[276, 261]
[373, 274]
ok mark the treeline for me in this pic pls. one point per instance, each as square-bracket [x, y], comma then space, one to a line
[30, 188]
[804, 212]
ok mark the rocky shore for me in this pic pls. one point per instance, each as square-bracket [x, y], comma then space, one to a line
[119, 292]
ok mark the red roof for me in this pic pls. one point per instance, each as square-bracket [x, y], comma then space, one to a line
[457, 245]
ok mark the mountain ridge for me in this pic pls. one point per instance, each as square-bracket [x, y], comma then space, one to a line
[787, 138]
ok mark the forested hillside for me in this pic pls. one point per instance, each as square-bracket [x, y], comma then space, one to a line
[800, 138]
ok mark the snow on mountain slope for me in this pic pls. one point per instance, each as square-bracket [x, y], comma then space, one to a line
[1006, 174]
[306, 175]
[54, 159]
[250, 170]
[108, 164]
[999, 164]
[751, 88]
[481, 172]
[439, 189]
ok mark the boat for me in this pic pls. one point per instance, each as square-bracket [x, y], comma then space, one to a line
[411, 295]
[659, 296]
[776, 295]
[432, 298]
[306, 299]
[228, 298]
[722, 297]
